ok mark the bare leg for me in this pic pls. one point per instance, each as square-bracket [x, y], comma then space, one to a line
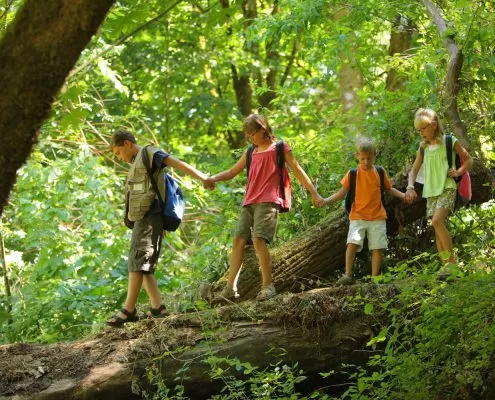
[236, 260]
[376, 261]
[264, 259]
[350, 256]
[442, 235]
[151, 287]
[133, 288]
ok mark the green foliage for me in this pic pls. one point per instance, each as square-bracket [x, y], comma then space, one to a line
[441, 342]
[240, 380]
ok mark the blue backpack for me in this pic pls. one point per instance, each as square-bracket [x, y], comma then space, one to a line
[351, 194]
[174, 205]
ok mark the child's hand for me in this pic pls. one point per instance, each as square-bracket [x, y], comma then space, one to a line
[318, 201]
[410, 196]
[209, 183]
[452, 173]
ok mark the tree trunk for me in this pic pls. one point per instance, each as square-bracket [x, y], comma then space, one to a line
[320, 251]
[452, 79]
[400, 43]
[316, 329]
[37, 52]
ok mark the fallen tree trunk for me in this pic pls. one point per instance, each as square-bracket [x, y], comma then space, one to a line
[320, 251]
[318, 330]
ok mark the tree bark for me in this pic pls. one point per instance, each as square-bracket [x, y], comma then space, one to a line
[452, 78]
[37, 52]
[400, 43]
[320, 251]
[316, 329]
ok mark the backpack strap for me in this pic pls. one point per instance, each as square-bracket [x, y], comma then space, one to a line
[249, 156]
[279, 148]
[147, 165]
[448, 145]
[381, 173]
[352, 186]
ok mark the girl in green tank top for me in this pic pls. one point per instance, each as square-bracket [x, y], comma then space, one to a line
[439, 186]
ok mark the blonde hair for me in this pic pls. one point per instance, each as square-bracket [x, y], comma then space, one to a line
[254, 122]
[366, 145]
[426, 116]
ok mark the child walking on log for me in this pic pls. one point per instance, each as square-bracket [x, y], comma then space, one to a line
[439, 186]
[267, 194]
[367, 215]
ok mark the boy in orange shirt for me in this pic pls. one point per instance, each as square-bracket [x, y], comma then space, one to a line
[367, 216]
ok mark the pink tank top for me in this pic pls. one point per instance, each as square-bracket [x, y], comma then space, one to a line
[264, 179]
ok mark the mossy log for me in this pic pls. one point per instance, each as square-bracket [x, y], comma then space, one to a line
[37, 53]
[317, 329]
[320, 251]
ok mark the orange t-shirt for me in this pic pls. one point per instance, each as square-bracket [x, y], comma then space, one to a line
[367, 203]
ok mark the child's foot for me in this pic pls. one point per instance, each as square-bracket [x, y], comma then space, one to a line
[345, 280]
[160, 312]
[266, 293]
[227, 293]
[444, 273]
[122, 317]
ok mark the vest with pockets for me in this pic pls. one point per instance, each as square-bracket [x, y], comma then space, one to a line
[139, 191]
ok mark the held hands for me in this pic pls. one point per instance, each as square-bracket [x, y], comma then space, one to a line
[209, 183]
[318, 201]
[410, 195]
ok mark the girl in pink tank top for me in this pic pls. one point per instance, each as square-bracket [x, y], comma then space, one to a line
[267, 193]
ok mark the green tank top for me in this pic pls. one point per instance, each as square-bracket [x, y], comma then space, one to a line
[436, 168]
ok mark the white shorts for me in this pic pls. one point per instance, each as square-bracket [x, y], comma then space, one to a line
[376, 231]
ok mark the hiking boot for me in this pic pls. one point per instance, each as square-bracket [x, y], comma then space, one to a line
[444, 274]
[345, 280]
[266, 293]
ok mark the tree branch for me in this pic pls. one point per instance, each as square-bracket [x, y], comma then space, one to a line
[452, 78]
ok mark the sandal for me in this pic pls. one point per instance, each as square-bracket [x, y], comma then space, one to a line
[117, 321]
[160, 312]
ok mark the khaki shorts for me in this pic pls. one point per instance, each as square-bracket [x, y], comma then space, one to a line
[257, 221]
[146, 242]
[376, 231]
[445, 200]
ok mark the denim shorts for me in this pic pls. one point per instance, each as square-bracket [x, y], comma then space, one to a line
[258, 221]
[146, 242]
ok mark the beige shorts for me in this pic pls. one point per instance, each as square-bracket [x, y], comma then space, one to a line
[445, 200]
[257, 221]
[376, 231]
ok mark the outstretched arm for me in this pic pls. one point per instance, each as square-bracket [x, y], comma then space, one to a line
[185, 168]
[228, 174]
[410, 192]
[396, 193]
[339, 195]
[303, 178]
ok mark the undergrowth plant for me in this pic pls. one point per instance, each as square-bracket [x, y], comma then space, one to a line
[439, 339]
